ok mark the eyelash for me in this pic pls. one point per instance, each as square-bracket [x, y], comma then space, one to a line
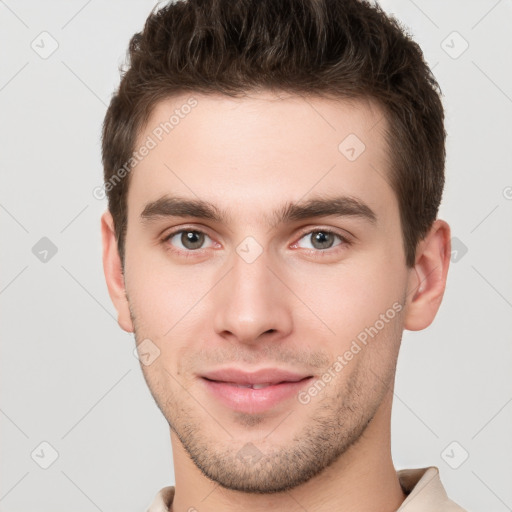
[345, 242]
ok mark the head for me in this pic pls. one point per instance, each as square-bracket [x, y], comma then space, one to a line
[281, 216]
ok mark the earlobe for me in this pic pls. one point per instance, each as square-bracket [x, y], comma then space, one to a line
[427, 279]
[113, 272]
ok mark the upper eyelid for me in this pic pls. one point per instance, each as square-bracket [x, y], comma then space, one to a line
[185, 229]
[334, 231]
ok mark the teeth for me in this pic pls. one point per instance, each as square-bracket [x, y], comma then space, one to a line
[254, 386]
[260, 386]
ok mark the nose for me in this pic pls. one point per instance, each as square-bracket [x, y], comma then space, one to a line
[252, 304]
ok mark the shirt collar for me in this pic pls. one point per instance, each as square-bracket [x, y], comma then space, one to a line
[422, 486]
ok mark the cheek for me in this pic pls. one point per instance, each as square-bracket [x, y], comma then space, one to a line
[342, 300]
[168, 309]
[161, 293]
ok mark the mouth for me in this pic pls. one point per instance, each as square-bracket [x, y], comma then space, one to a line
[254, 392]
[251, 386]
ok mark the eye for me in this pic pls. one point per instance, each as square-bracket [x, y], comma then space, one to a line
[190, 239]
[321, 239]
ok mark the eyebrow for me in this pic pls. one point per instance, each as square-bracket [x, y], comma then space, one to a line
[340, 206]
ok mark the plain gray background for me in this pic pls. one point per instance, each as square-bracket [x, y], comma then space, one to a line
[68, 374]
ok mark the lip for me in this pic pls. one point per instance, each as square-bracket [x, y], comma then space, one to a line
[230, 387]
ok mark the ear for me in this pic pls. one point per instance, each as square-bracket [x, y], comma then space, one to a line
[114, 272]
[427, 279]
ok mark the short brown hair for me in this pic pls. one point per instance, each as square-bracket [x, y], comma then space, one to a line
[337, 48]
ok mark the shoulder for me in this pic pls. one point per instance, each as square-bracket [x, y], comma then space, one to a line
[162, 501]
[425, 491]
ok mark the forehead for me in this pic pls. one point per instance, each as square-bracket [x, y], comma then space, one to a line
[252, 153]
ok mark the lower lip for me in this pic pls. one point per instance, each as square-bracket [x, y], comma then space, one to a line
[254, 401]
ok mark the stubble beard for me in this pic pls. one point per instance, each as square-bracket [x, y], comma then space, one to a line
[336, 422]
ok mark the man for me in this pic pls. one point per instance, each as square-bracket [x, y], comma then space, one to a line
[274, 171]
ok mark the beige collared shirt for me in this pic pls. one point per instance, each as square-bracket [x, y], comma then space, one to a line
[425, 493]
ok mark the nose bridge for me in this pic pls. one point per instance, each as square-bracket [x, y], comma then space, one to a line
[251, 300]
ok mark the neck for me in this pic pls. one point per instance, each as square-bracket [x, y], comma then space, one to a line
[363, 479]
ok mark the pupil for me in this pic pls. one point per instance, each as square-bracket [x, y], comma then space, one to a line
[323, 240]
[192, 239]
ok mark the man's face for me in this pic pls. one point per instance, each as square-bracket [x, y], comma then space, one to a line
[255, 297]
